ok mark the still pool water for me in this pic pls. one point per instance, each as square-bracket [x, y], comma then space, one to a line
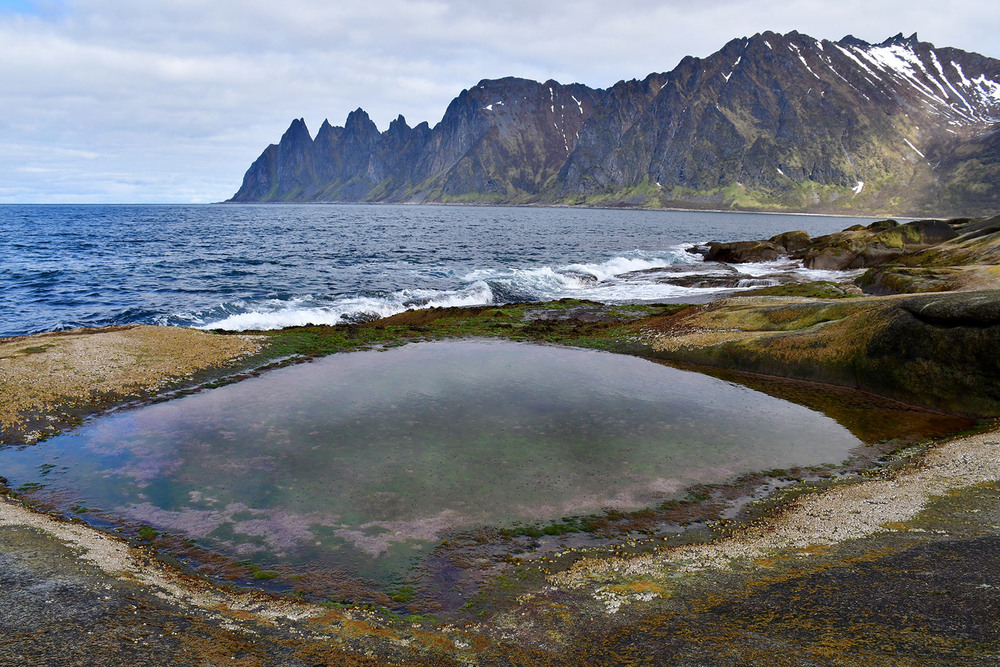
[363, 461]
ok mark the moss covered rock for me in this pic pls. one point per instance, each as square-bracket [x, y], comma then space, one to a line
[932, 350]
[792, 241]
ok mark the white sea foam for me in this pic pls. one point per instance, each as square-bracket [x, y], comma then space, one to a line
[634, 276]
[635, 261]
[275, 314]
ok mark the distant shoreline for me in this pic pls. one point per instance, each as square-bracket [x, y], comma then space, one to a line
[859, 216]
[862, 216]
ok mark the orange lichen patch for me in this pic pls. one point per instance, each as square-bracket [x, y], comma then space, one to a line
[749, 320]
[328, 617]
[770, 561]
[433, 640]
[791, 554]
[696, 338]
[640, 587]
[352, 628]
[46, 372]
[895, 525]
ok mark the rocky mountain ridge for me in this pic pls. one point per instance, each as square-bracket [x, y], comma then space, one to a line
[769, 122]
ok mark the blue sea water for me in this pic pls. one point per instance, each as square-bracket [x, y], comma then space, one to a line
[265, 266]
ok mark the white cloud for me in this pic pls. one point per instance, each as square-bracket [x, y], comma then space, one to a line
[171, 100]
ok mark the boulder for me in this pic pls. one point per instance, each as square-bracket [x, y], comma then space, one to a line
[792, 242]
[740, 252]
[830, 258]
[877, 226]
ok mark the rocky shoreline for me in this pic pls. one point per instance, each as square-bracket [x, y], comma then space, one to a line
[816, 573]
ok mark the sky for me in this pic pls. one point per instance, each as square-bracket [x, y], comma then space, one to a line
[171, 100]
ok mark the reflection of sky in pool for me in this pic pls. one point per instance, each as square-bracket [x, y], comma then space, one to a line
[362, 456]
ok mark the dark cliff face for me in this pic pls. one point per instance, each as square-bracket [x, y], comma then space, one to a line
[771, 121]
[790, 121]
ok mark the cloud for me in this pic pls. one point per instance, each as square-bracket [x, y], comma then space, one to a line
[172, 100]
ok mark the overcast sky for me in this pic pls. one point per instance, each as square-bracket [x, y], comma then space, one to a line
[170, 101]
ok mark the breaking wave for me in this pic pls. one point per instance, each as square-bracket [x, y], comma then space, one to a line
[637, 276]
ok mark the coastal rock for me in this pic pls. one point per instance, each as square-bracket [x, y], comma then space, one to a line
[881, 242]
[830, 258]
[977, 310]
[856, 247]
[936, 349]
[933, 350]
[886, 280]
[792, 242]
[939, 350]
[743, 251]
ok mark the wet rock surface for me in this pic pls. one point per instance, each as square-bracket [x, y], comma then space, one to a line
[743, 251]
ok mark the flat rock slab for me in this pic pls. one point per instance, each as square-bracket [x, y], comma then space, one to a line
[961, 309]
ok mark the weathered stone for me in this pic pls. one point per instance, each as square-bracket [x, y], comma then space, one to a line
[792, 241]
[877, 226]
[829, 259]
[885, 280]
[977, 309]
[743, 251]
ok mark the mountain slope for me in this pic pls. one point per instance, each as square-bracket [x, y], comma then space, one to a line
[778, 122]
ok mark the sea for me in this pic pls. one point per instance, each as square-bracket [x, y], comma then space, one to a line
[253, 267]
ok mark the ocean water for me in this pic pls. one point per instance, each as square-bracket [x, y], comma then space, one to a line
[260, 266]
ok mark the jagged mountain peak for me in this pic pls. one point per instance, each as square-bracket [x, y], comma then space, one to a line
[899, 40]
[297, 131]
[358, 119]
[851, 40]
[774, 121]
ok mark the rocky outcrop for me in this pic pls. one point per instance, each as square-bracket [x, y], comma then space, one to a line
[777, 122]
[936, 349]
[744, 251]
[874, 245]
[933, 350]
[967, 262]
[856, 247]
[893, 279]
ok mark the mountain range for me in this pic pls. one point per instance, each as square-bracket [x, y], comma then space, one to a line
[769, 122]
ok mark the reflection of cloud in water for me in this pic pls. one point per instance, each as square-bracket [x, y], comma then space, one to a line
[641, 494]
[279, 530]
[191, 522]
[145, 469]
[429, 529]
